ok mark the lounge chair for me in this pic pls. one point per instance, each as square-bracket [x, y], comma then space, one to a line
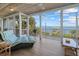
[17, 42]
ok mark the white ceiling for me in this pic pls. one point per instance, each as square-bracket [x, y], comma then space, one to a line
[28, 8]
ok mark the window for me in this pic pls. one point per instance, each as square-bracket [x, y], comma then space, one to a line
[69, 23]
[51, 24]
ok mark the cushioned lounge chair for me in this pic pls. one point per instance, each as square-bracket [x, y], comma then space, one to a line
[17, 42]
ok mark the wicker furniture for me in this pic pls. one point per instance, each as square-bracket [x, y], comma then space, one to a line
[5, 49]
[69, 51]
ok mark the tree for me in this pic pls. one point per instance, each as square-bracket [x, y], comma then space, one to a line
[24, 24]
[56, 32]
[31, 24]
[38, 30]
[73, 32]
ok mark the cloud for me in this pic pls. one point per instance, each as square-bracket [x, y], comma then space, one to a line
[70, 10]
[65, 14]
[71, 20]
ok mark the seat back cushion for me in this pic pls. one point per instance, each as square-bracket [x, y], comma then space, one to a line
[10, 36]
[31, 38]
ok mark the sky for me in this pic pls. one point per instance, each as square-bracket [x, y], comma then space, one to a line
[52, 18]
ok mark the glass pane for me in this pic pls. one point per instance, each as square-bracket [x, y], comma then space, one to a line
[51, 25]
[34, 25]
[69, 24]
[78, 26]
[16, 30]
[11, 23]
[24, 24]
[4, 24]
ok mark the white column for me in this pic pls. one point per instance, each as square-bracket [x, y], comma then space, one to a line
[27, 20]
[61, 22]
[20, 24]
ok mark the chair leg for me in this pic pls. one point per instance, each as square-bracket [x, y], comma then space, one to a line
[9, 51]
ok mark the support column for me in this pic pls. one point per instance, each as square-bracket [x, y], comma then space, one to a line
[40, 17]
[2, 25]
[61, 22]
[20, 24]
[76, 28]
[7, 23]
[14, 24]
[27, 20]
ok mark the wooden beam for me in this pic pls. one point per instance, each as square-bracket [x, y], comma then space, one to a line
[4, 5]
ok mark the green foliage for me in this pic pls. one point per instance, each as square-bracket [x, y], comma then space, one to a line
[17, 24]
[23, 17]
[45, 33]
[56, 33]
[31, 24]
[68, 35]
[38, 30]
[72, 31]
[24, 24]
